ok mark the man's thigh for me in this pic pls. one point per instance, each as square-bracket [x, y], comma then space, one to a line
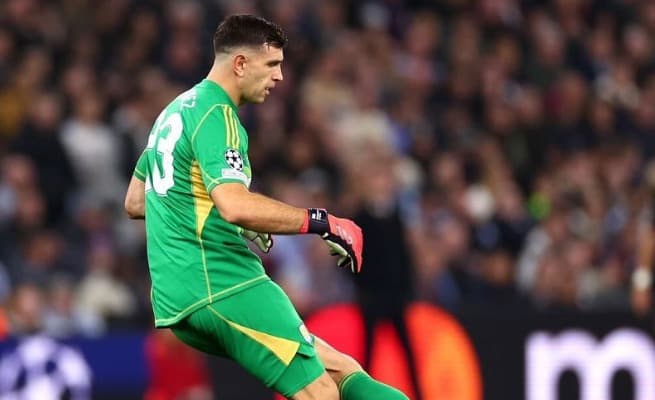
[259, 329]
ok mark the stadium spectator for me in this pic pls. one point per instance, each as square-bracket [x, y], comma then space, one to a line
[39, 140]
[385, 291]
[66, 317]
[93, 148]
[520, 132]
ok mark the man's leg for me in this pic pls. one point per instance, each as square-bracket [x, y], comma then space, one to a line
[323, 388]
[354, 383]
[267, 338]
[295, 374]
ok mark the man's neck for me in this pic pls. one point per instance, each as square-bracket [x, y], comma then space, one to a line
[223, 80]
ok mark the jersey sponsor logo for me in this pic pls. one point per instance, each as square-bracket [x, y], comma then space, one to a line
[234, 159]
[305, 334]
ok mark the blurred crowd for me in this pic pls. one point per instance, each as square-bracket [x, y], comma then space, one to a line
[496, 152]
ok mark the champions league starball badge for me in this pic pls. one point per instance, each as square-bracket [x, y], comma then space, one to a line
[234, 159]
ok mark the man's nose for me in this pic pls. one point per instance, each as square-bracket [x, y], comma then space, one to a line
[278, 76]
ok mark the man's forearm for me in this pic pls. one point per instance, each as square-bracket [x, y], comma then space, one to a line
[257, 212]
[264, 214]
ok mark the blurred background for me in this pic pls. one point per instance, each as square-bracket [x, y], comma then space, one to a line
[497, 153]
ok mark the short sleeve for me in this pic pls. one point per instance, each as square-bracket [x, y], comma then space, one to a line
[140, 169]
[215, 145]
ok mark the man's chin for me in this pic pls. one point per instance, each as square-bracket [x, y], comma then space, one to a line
[257, 100]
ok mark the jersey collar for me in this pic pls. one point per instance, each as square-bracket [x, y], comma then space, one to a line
[219, 91]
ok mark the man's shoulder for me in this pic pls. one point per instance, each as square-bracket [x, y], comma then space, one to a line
[195, 106]
[198, 101]
[207, 95]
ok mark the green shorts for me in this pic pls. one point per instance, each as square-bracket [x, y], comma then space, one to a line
[260, 329]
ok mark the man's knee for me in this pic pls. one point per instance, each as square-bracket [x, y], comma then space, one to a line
[323, 388]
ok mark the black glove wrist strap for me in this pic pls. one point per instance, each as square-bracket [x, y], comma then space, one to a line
[318, 221]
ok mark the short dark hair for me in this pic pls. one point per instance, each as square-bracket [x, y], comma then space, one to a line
[247, 30]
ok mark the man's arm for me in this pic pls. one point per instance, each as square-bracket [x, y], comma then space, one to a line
[135, 205]
[135, 199]
[253, 211]
[227, 185]
[259, 213]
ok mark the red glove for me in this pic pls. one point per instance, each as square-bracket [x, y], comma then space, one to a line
[342, 235]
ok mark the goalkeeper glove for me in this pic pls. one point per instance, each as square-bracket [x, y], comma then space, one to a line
[264, 241]
[343, 236]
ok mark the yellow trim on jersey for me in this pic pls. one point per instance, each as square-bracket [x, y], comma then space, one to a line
[284, 349]
[232, 137]
[215, 296]
[235, 129]
[202, 200]
[203, 206]
[202, 120]
[231, 130]
[228, 128]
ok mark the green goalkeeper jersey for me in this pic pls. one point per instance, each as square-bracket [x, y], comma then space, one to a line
[195, 256]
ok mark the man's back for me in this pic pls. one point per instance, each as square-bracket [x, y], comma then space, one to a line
[195, 256]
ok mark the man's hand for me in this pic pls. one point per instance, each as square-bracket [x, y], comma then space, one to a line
[264, 241]
[343, 236]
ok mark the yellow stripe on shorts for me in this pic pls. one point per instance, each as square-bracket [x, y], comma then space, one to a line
[284, 349]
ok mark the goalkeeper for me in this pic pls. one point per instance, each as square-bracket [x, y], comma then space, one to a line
[191, 186]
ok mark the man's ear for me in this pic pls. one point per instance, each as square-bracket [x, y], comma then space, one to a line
[239, 64]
